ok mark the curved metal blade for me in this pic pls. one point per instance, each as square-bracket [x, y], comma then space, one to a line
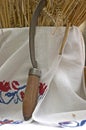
[32, 30]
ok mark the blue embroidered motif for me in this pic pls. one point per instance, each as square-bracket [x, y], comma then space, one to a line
[71, 124]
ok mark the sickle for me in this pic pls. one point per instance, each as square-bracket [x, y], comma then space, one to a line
[32, 88]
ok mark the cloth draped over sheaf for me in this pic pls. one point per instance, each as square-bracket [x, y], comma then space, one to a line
[62, 91]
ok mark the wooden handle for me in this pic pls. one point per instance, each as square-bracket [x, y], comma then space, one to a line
[30, 97]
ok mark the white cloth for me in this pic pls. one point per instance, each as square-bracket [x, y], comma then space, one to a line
[62, 93]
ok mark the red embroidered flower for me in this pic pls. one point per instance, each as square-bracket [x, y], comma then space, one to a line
[5, 86]
[15, 85]
[22, 94]
[42, 88]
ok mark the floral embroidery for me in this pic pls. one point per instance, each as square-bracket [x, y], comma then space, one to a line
[14, 92]
[71, 124]
[42, 88]
[11, 91]
[22, 94]
[6, 121]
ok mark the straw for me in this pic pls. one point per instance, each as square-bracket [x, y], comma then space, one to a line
[18, 13]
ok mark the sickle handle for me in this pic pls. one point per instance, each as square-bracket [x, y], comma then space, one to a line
[31, 94]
